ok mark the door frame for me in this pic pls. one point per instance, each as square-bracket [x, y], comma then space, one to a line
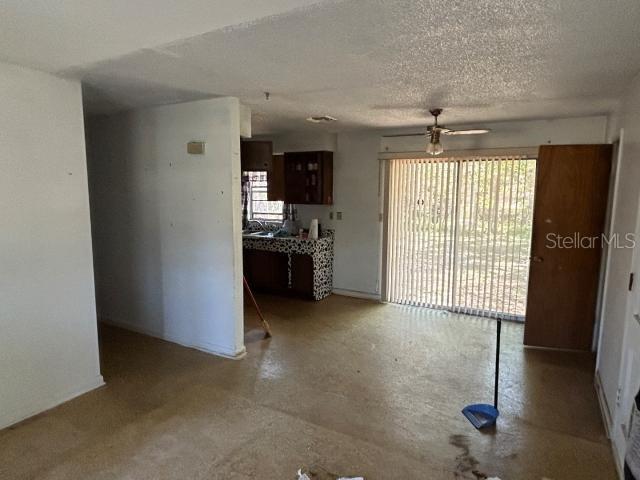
[614, 183]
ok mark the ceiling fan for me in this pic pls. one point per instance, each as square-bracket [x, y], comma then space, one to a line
[434, 147]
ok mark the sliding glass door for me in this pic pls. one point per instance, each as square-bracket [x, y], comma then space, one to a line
[459, 234]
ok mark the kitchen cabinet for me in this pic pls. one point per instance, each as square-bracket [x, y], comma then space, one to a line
[275, 179]
[296, 177]
[308, 178]
[269, 272]
[289, 265]
[302, 275]
[266, 271]
[255, 156]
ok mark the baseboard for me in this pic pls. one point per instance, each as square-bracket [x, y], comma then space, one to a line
[219, 351]
[206, 347]
[608, 423]
[357, 294]
[42, 406]
[604, 406]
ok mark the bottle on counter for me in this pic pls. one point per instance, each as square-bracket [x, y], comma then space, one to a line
[313, 229]
[290, 224]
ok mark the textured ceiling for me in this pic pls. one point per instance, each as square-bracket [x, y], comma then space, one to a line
[56, 34]
[375, 63]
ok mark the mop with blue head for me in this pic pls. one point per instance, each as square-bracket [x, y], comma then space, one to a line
[483, 415]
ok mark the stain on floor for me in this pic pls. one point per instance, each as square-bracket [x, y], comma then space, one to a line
[466, 465]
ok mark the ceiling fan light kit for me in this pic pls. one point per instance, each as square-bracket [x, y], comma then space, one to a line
[434, 147]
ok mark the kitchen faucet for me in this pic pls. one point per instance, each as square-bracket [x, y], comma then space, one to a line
[260, 223]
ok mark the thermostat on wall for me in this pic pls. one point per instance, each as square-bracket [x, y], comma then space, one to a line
[195, 148]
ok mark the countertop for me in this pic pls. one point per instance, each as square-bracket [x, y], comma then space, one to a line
[320, 250]
[253, 236]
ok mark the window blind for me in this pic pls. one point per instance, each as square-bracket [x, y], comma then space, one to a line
[459, 232]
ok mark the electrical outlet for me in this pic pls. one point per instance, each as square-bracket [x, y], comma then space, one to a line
[330, 215]
[339, 215]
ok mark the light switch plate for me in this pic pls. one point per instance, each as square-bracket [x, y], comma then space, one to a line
[195, 148]
[339, 215]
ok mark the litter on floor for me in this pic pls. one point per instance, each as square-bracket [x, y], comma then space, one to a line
[304, 474]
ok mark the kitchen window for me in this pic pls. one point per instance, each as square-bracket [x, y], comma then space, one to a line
[258, 205]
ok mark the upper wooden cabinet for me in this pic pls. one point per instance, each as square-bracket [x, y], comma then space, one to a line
[255, 155]
[295, 177]
[308, 178]
[275, 178]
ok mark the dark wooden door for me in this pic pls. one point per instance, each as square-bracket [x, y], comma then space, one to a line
[568, 220]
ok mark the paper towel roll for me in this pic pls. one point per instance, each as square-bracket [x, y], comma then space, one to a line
[313, 229]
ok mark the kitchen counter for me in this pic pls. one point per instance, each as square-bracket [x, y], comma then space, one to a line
[320, 251]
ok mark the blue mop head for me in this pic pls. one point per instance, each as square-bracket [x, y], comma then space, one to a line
[481, 415]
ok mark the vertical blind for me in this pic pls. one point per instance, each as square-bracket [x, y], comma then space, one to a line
[459, 233]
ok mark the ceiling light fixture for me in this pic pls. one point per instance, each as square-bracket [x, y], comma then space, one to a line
[434, 147]
[321, 119]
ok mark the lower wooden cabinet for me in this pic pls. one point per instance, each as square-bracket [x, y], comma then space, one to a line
[302, 275]
[269, 272]
[266, 271]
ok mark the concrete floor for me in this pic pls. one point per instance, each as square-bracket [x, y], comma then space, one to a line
[345, 386]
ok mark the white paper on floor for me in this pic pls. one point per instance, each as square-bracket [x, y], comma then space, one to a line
[306, 476]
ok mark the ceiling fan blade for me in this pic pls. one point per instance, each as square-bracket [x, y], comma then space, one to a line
[397, 135]
[469, 131]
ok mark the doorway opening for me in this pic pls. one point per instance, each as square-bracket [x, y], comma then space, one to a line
[458, 234]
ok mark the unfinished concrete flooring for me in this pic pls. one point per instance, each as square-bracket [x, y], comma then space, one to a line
[345, 386]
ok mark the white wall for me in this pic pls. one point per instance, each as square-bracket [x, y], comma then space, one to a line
[618, 364]
[166, 224]
[48, 336]
[357, 196]
[303, 141]
[357, 176]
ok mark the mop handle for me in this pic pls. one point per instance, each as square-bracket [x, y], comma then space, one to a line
[495, 385]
